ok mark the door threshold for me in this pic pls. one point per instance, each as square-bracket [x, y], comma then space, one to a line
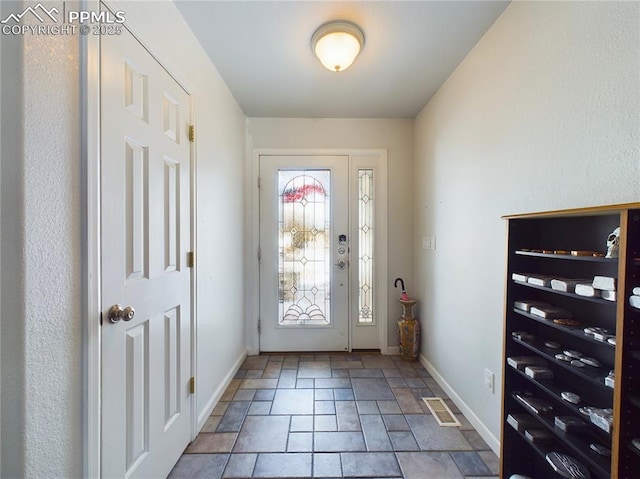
[353, 351]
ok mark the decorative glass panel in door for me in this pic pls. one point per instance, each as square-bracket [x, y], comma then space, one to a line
[304, 269]
[305, 260]
[366, 258]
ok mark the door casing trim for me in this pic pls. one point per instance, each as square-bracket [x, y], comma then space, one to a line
[253, 235]
[90, 151]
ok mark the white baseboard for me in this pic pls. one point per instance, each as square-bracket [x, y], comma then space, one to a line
[490, 439]
[217, 394]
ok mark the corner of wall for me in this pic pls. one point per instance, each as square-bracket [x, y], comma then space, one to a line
[474, 420]
[210, 404]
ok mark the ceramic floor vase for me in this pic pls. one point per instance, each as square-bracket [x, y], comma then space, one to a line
[408, 332]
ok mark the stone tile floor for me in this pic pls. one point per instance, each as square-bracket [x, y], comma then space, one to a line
[333, 415]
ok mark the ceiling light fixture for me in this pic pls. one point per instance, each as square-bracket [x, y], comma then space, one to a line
[337, 44]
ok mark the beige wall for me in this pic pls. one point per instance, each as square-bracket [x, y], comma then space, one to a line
[543, 114]
[394, 135]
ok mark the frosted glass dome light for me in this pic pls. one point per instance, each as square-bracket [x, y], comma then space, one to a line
[337, 44]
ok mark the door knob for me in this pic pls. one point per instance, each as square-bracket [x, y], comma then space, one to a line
[341, 264]
[117, 312]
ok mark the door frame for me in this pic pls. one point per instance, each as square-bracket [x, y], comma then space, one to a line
[358, 157]
[90, 141]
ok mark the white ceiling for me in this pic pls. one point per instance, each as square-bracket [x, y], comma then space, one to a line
[262, 50]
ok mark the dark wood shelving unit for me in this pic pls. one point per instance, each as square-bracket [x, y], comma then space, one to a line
[584, 229]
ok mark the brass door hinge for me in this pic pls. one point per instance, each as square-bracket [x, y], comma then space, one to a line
[191, 260]
[192, 385]
[192, 133]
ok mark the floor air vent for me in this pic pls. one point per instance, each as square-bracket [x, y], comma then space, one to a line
[441, 412]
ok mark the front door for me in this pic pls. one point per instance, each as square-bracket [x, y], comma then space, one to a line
[304, 253]
[145, 211]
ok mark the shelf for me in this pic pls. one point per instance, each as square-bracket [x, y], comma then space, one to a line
[540, 449]
[590, 259]
[633, 312]
[576, 443]
[633, 449]
[634, 354]
[593, 375]
[554, 388]
[562, 293]
[577, 331]
[635, 400]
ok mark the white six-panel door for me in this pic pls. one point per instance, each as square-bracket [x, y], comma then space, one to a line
[145, 210]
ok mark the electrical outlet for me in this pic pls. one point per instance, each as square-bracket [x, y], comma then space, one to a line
[425, 242]
[433, 243]
[489, 379]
